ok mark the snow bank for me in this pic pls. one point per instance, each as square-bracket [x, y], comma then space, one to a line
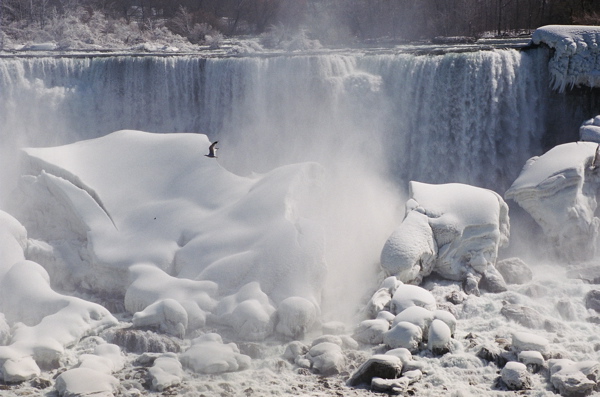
[576, 54]
[149, 216]
[454, 230]
[559, 189]
[43, 321]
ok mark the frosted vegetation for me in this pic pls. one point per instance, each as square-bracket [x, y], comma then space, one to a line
[132, 264]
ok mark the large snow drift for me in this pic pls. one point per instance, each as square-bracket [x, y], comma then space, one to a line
[576, 54]
[452, 229]
[148, 216]
[559, 190]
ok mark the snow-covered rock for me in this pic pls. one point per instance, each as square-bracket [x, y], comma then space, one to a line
[404, 334]
[574, 378]
[576, 54]
[167, 315]
[326, 358]
[209, 355]
[166, 372]
[524, 341]
[516, 376]
[411, 295]
[439, 337]
[295, 316]
[378, 365]
[371, 331]
[559, 190]
[452, 229]
[416, 315]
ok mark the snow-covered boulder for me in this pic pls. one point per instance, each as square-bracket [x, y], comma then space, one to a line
[295, 316]
[411, 295]
[515, 376]
[371, 331]
[559, 190]
[149, 216]
[326, 358]
[440, 337]
[576, 56]
[166, 371]
[452, 229]
[404, 334]
[209, 355]
[167, 315]
[380, 366]
[524, 341]
[574, 378]
[416, 315]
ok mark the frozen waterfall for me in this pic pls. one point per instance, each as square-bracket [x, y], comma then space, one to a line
[470, 117]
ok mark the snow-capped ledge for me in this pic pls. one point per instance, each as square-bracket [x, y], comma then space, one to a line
[576, 54]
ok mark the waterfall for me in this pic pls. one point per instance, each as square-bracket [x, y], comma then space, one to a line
[470, 117]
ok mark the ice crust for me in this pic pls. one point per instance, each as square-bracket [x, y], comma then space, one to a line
[576, 54]
[454, 230]
[152, 218]
[559, 190]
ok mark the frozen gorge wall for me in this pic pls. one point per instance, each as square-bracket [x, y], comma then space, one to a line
[471, 117]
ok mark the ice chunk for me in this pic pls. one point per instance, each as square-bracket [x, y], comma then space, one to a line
[574, 379]
[452, 229]
[524, 341]
[559, 189]
[590, 130]
[326, 358]
[576, 55]
[371, 331]
[85, 382]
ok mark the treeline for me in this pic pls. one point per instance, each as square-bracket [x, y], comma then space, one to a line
[330, 21]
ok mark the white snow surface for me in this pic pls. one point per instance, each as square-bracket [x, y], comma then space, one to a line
[451, 229]
[152, 218]
[559, 190]
[90, 211]
[576, 54]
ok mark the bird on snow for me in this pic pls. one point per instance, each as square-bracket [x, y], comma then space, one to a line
[212, 150]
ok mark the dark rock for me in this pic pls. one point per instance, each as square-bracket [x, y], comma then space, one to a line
[380, 366]
[592, 300]
[514, 271]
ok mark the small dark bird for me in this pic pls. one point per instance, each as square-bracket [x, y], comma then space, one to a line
[212, 150]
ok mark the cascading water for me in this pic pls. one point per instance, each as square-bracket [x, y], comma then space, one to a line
[465, 117]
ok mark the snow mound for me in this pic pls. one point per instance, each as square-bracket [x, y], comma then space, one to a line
[150, 217]
[559, 189]
[166, 372]
[43, 322]
[576, 54]
[452, 229]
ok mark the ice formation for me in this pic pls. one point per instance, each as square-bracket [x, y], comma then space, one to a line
[454, 230]
[576, 54]
[148, 217]
[590, 130]
[559, 190]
